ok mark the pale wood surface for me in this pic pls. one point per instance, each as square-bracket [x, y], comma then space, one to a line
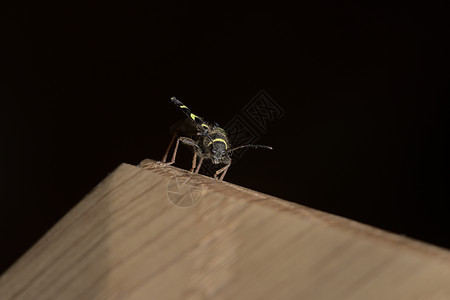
[128, 240]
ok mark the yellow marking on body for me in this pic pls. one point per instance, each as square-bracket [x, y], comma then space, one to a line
[219, 140]
[206, 126]
[193, 116]
[183, 106]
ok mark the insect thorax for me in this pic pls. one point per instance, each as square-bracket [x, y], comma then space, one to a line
[216, 147]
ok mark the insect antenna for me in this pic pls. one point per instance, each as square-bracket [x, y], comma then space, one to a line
[250, 146]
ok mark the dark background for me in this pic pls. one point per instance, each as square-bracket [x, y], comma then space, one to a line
[86, 87]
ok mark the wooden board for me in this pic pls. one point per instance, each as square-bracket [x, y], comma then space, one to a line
[162, 233]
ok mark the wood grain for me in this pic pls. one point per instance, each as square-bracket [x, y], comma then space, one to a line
[158, 232]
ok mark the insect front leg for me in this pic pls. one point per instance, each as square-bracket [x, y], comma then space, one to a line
[223, 171]
[184, 140]
[199, 164]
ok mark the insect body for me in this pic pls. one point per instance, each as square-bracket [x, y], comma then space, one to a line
[209, 141]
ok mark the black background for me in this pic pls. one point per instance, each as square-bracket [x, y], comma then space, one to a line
[86, 87]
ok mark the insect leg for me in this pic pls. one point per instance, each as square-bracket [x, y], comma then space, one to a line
[164, 159]
[223, 171]
[194, 162]
[199, 165]
[188, 141]
[184, 140]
